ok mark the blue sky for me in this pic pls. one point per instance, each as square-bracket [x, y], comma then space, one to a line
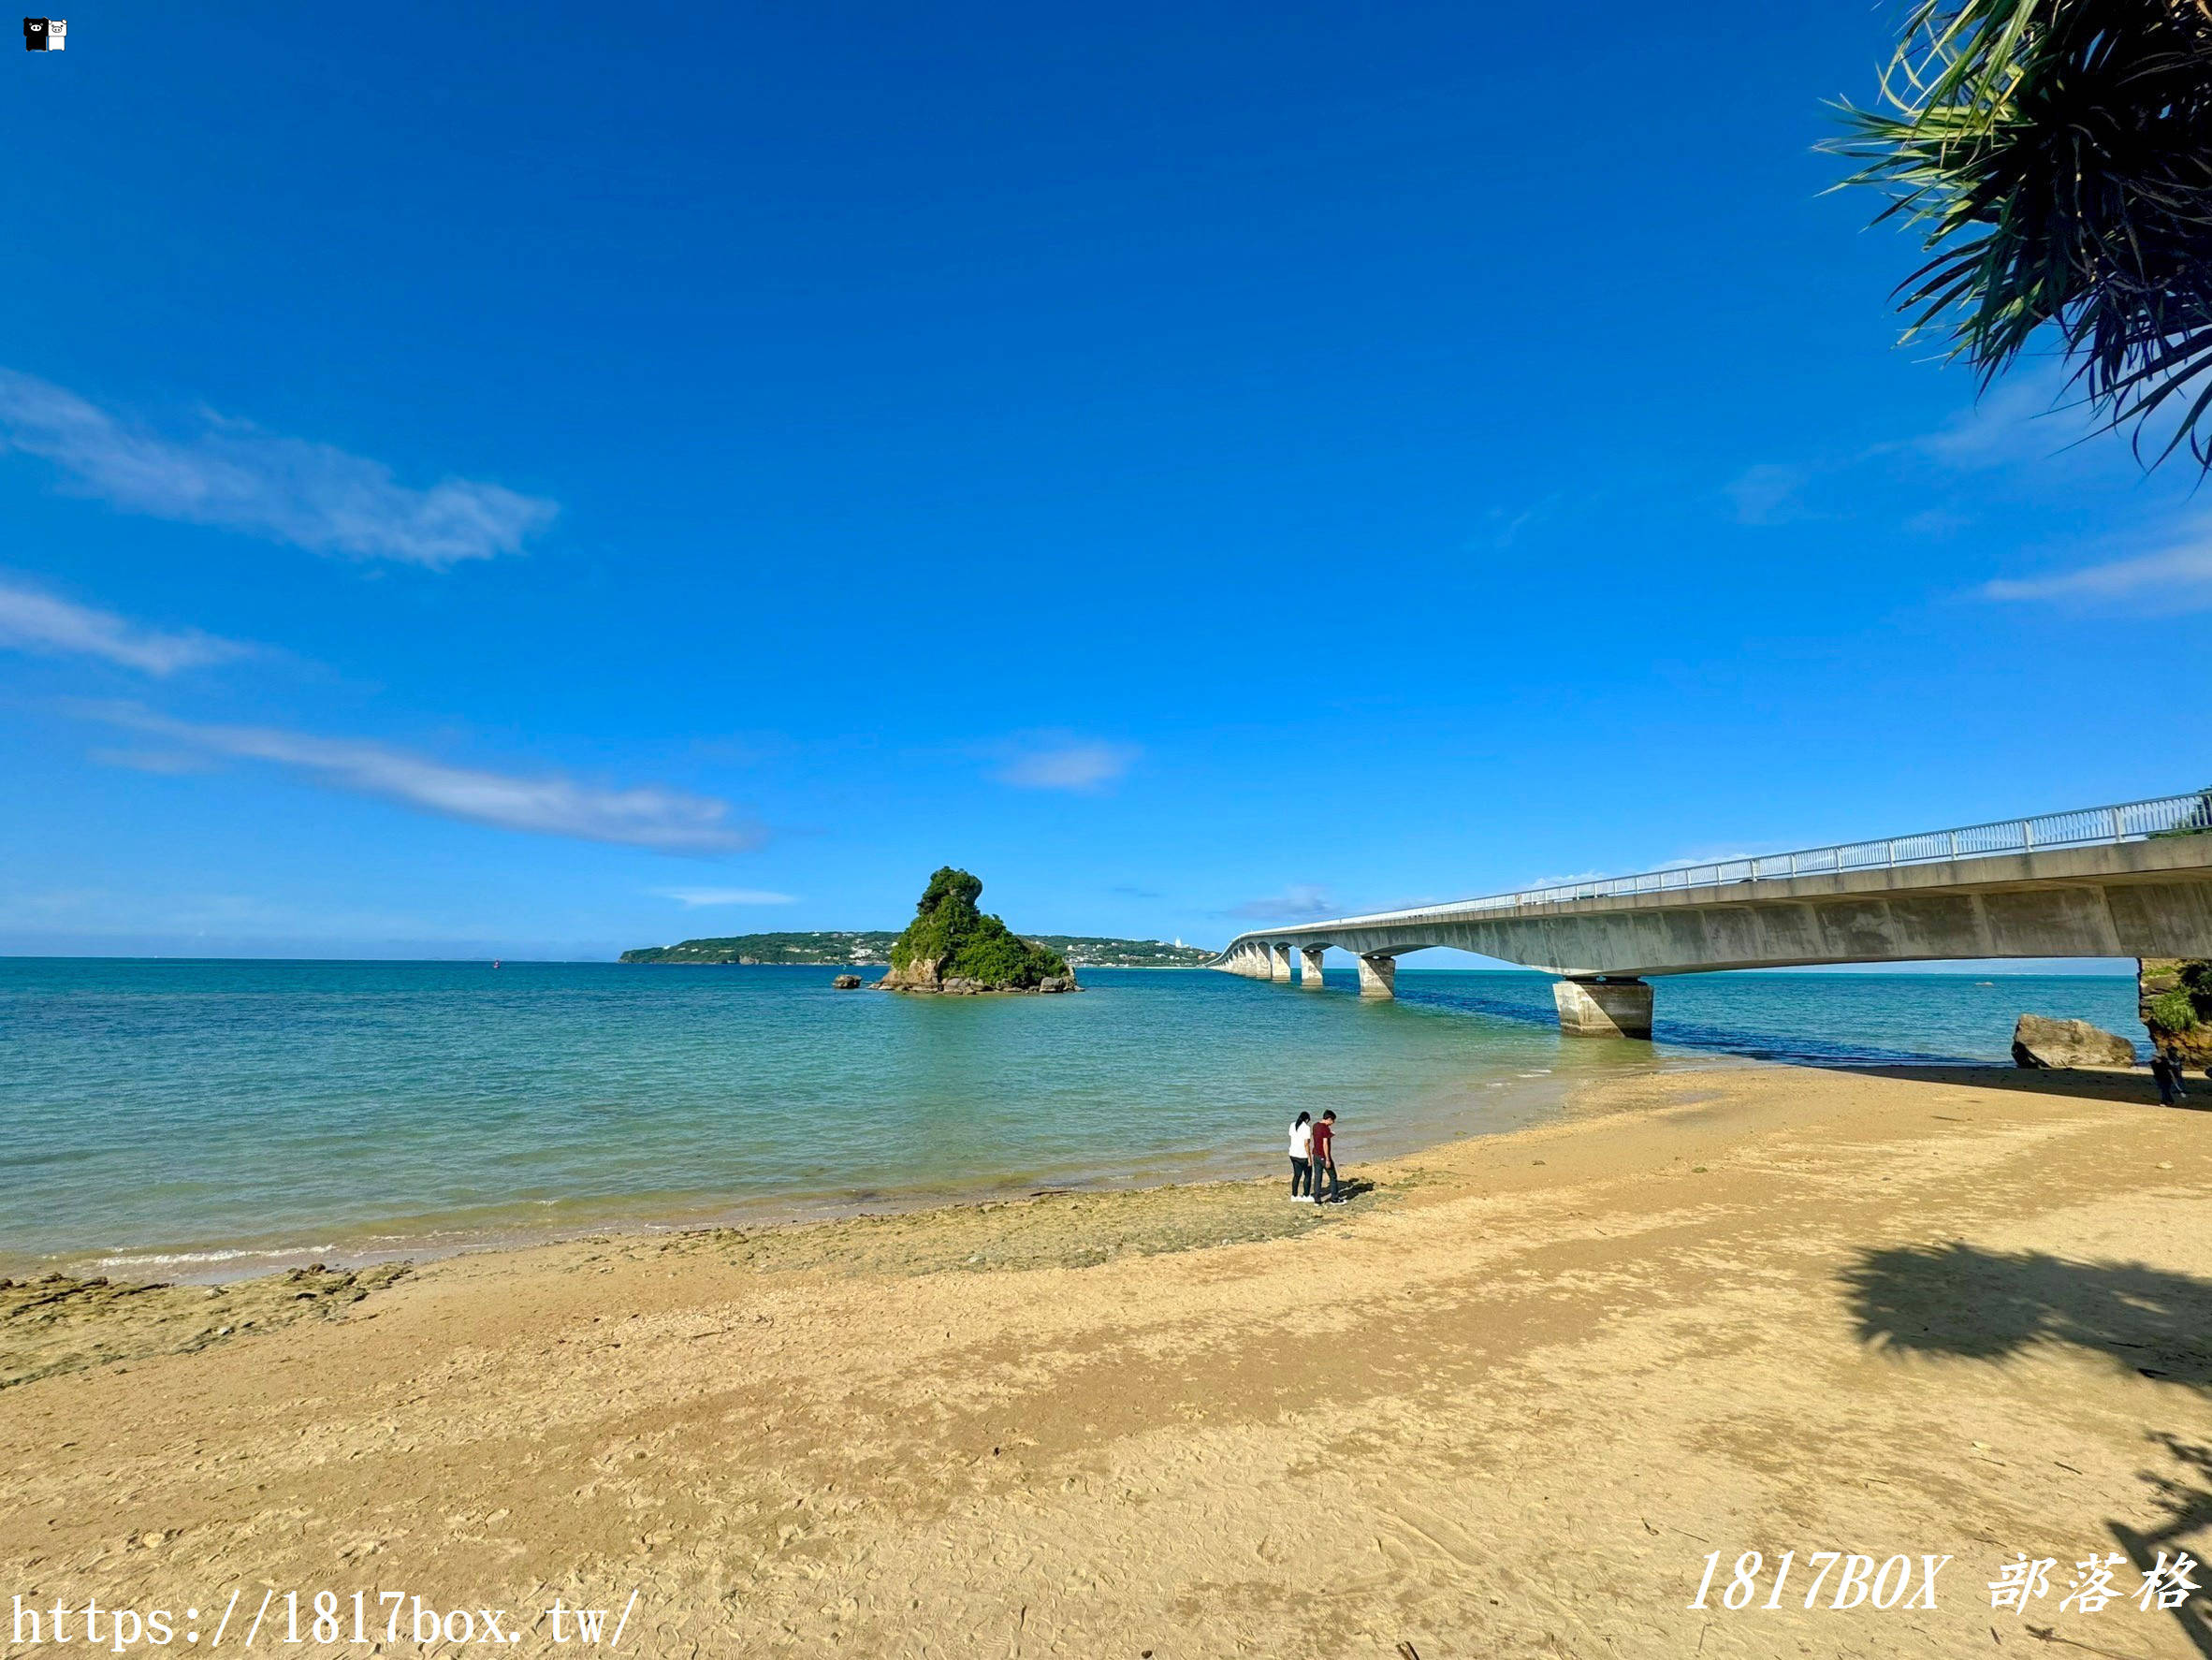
[531, 481]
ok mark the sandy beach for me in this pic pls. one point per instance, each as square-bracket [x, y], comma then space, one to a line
[1506, 1403]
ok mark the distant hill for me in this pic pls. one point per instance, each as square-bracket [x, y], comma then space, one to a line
[1084, 951]
[864, 948]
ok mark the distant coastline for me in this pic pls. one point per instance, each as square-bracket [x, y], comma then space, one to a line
[871, 948]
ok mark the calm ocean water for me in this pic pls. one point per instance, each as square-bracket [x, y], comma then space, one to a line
[178, 1118]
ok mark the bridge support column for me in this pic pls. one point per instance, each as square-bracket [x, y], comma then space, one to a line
[1603, 1008]
[1378, 976]
[1279, 963]
[1256, 960]
[1309, 973]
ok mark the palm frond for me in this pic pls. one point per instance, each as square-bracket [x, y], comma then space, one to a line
[2055, 156]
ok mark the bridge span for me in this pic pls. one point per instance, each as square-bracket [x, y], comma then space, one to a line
[2127, 880]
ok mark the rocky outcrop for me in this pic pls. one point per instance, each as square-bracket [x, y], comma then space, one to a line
[846, 982]
[58, 1324]
[2173, 999]
[2040, 1043]
[953, 948]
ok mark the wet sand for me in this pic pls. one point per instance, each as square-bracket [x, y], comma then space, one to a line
[1505, 1403]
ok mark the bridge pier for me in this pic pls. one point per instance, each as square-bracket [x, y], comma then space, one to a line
[1310, 972]
[1617, 1007]
[1279, 963]
[1379, 976]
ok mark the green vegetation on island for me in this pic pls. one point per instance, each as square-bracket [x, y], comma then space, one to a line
[848, 950]
[2176, 1005]
[1085, 951]
[950, 944]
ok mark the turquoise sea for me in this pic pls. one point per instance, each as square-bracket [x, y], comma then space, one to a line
[177, 1119]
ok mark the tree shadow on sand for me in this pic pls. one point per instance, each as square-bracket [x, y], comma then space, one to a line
[1969, 1303]
[2184, 1509]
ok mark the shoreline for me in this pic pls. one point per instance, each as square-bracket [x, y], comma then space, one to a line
[1530, 1102]
[801, 1217]
[1521, 1099]
[1505, 1402]
[452, 1111]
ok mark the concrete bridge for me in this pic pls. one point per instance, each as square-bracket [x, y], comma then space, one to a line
[2127, 880]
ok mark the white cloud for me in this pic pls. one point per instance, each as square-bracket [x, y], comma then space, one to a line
[1506, 525]
[551, 805]
[1769, 494]
[2178, 576]
[30, 620]
[1059, 761]
[233, 474]
[694, 897]
[167, 764]
[2031, 420]
[2019, 419]
[1568, 880]
[2034, 418]
[1302, 901]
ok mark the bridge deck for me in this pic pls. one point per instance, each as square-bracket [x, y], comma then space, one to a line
[2130, 892]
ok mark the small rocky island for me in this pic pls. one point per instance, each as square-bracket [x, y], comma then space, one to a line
[952, 947]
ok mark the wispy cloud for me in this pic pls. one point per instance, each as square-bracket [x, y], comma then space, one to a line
[100, 911]
[1569, 880]
[32, 621]
[1503, 526]
[2027, 417]
[2035, 427]
[2178, 575]
[1300, 902]
[233, 474]
[165, 764]
[1061, 761]
[1769, 494]
[2025, 421]
[693, 897]
[669, 819]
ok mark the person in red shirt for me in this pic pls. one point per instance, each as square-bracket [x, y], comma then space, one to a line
[1325, 1159]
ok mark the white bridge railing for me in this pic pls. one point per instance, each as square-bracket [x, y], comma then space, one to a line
[2132, 821]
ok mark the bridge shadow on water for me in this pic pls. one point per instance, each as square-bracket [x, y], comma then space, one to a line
[1752, 1019]
[1959, 1301]
[1923, 1027]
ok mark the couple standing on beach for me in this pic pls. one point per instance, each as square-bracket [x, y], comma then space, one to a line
[1312, 1154]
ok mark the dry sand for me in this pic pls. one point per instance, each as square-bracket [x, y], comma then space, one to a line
[1503, 1404]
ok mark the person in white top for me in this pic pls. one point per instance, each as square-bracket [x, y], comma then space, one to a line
[1302, 1160]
